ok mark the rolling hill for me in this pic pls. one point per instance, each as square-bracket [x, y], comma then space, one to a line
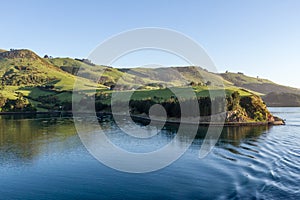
[24, 73]
[47, 83]
[148, 78]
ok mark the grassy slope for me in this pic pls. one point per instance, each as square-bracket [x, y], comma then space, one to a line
[177, 76]
[93, 72]
[200, 92]
[165, 94]
[25, 65]
[262, 86]
[34, 66]
[136, 77]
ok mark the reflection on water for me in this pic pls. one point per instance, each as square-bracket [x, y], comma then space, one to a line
[43, 158]
[236, 135]
[21, 139]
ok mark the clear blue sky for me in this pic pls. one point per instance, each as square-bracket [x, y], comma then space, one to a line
[258, 37]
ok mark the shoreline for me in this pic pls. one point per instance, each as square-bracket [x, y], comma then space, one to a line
[34, 113]
[141, 118]
[207, 123]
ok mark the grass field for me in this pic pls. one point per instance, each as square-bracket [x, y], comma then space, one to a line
[165, 94]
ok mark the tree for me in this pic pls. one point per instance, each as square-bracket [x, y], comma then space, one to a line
[20, 103]
[192, 83]
[235, 100]
[2, 101]
[208, 83]
[2, 85]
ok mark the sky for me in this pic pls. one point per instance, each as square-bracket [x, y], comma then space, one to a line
[257, 37]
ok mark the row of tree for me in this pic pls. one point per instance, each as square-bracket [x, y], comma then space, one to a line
[242, 107]
[173, 106]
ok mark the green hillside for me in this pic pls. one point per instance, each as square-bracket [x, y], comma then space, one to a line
[148, 78]
[31, 82]
[109, 76]
[178, 76]
[23, 72]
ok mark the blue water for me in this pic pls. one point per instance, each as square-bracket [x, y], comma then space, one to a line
[43, 158]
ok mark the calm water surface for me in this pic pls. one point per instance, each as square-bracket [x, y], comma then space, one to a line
[43, 158]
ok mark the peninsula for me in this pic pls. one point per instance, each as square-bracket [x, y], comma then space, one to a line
[30, 83]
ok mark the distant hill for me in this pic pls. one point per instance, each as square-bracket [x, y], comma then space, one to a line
[282, 99]
[273, 94]
[257, 84]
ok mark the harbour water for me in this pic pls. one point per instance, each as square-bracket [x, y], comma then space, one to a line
[43, 158]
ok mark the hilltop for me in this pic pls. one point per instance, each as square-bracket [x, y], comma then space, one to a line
[26, 76]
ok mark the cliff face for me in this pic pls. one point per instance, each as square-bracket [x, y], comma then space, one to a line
[247, 109]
